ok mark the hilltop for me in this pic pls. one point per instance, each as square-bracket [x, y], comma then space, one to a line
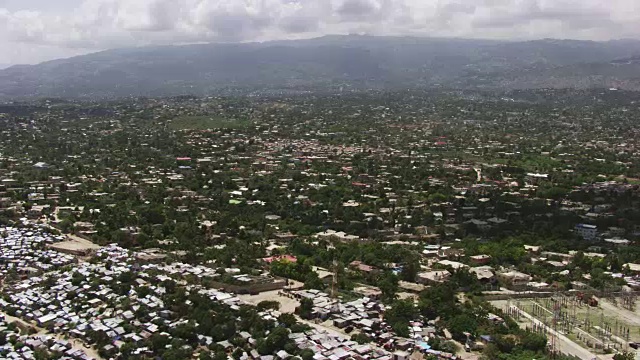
[330, 63]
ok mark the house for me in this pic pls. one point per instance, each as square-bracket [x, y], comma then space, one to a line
[433, 277]
[455, 265]
[633, 268]
[401, 355]
[370, 292]
[618, 242]
[514, 279]
[531, 249]
[363, 268]
[484, 274]
[480, 259]
[479, 224]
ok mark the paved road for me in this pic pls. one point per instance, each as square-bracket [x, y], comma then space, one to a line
[625, 315]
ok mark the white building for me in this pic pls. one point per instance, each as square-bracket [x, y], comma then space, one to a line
[587, 232]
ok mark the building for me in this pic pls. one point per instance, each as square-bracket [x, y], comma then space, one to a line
[433, 277]
[482, 259]
[514, 279]
[586, 231]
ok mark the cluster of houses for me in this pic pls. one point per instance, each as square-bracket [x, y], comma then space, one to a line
[84, 299]
[366, 315]
[24, 251]
[18, 346]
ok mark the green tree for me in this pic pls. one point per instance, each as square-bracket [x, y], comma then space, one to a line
[389, 287]
[460, 324]
[306, 354]
[534, 342]
[361, 338]
[266, 304]
[624, 356]
[306, 308]
[287, 319]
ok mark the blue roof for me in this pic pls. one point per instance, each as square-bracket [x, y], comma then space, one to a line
[486, 338]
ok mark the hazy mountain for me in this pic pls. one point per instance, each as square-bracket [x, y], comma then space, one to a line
[331, 62]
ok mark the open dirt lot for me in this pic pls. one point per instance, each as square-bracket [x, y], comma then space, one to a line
[74, 243]
[287, 305]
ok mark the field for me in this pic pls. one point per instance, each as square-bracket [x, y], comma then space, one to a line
[206, 122]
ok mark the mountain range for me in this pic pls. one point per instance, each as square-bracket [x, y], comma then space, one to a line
[330, 63]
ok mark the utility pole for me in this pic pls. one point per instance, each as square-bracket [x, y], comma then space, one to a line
[334, 281]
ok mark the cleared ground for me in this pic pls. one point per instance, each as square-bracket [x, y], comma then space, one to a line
[74, 243]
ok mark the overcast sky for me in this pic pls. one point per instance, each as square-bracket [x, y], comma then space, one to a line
[36, 30]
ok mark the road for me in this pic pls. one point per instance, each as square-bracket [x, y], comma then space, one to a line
[624, 315]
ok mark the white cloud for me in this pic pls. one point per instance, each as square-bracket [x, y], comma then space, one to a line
[90, 25]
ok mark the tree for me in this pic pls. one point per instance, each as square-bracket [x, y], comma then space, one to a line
[276, 340]
[389, 287]
[460, 324]
[506, 343]
[205, 355]
[533, 342]
[361, 338]
[624, 356]
[306, 354]
[490, 352]
[401, 328]
[312, 281]
[237, 353]
[287, 319]
[306, 308]
[410, 269]
[266, 304]
[399, 315]
[220, 355]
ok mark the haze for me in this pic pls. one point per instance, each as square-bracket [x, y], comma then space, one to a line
[32, 31]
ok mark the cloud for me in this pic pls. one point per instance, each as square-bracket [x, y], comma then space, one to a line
[89, 25]
[359, 10]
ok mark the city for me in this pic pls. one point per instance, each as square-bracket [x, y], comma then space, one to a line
[368, 225]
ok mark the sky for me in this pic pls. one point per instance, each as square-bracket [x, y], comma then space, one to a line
[33, 31]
